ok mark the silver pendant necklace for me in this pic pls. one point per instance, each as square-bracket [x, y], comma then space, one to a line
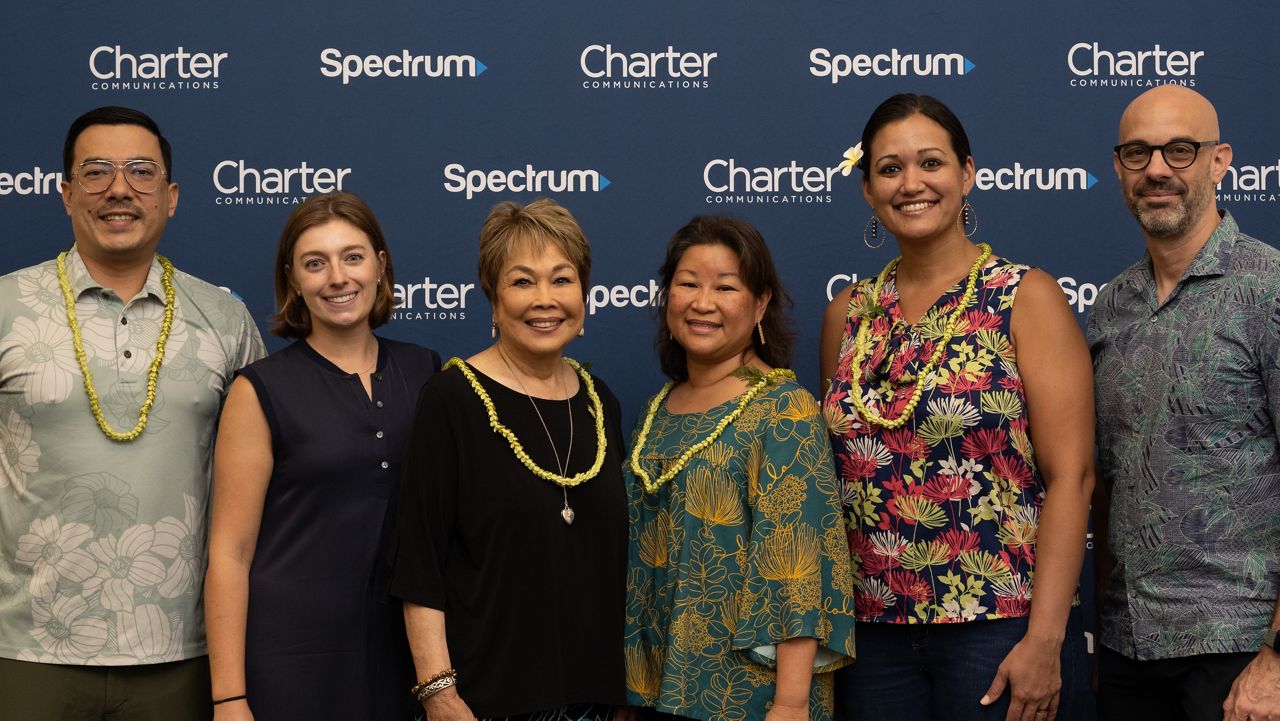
[566, 513]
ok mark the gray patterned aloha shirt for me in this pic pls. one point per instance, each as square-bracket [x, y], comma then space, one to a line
[102, 543]
[1188, 396]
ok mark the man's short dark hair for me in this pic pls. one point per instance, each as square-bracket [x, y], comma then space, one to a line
[113, 115]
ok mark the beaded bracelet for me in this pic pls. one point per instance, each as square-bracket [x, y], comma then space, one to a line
[417, 687]
[435, 687]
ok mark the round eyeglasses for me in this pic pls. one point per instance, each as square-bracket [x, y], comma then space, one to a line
[1177, 155]
[144, 176]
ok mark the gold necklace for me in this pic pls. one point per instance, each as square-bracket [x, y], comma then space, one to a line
[651, 485]
[566, 513]
[153, 375]
[862, 343]
[597, 409]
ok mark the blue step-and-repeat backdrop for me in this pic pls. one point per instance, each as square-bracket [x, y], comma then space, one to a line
[635, 116]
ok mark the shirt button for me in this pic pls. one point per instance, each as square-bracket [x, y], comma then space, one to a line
[386, 465]
[124, 321]
[128, 354]
[378, 434]
[377, 376]
[378, 404]
[1153, 318]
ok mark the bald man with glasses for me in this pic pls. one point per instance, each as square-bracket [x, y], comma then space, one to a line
[1186, 355]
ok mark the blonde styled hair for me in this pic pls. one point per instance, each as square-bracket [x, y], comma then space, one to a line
[542, 223]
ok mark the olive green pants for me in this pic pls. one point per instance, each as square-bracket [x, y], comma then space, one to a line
[177, 691]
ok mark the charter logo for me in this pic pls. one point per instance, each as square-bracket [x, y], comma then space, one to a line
[730, 182]
[1094, 66]
[239, 183]
[1249, 184]
[608, 68]
[823, 64]
[30, 182]
[1020, 178]
[117, 69]
[458, 179]
[404, 64]
[429, 300]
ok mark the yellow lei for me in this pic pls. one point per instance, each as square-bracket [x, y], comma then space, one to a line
[651, 485]
[862, 344]
[153, 375]
[534, 468]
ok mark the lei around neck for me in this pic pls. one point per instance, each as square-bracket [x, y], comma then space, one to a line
[153, 374]
[862, 344]
[518, 449]
[651, 485]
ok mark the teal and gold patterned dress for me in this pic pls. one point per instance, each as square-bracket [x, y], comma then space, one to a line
[741, 550]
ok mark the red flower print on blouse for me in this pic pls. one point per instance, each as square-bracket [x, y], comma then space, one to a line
[909, 584]
[1012, 469]
[984, 442]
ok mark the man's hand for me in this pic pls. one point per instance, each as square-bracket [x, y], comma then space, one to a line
[1255, 696]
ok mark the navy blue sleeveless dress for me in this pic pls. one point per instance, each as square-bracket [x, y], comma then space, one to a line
[323, 640]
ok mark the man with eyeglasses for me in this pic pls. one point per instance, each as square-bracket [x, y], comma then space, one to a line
[1186, 354]
[113, 366]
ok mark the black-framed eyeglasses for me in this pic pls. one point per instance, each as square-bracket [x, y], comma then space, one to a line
[144, 176]
[1178, 154]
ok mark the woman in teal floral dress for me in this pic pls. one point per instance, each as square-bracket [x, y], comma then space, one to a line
[739, 599]
[961, 410]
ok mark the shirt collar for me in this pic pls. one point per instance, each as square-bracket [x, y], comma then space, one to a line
[1215, 254]
[80, 279]
[1209, 261]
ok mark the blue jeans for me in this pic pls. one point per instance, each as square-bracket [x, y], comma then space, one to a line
[941, 671]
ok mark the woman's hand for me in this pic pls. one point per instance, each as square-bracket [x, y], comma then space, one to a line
[781, 712]
[1033, 673]
[233, 711]
[447, 705]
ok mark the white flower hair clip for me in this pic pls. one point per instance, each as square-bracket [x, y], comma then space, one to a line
[851, 158]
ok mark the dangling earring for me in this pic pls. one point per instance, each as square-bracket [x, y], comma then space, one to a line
[872, 229]
[582, 330]
[968, 215]
[760, 332]
[493, 329]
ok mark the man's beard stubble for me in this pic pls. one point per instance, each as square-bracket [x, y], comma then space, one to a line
[1173, 219]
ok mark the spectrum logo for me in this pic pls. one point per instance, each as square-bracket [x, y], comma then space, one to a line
[731, 183]
[608, 69]
[30, 182]
[457, 179]
[334, 64]
[1020, 178]
[116, 69]
[891, 64]
[1094, 67]
[239, 183]
[1250, 184]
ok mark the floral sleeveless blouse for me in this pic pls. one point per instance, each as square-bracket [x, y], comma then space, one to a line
[942, 512]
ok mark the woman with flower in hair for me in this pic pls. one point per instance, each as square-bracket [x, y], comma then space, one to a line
[739, 598]
[946, 370]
